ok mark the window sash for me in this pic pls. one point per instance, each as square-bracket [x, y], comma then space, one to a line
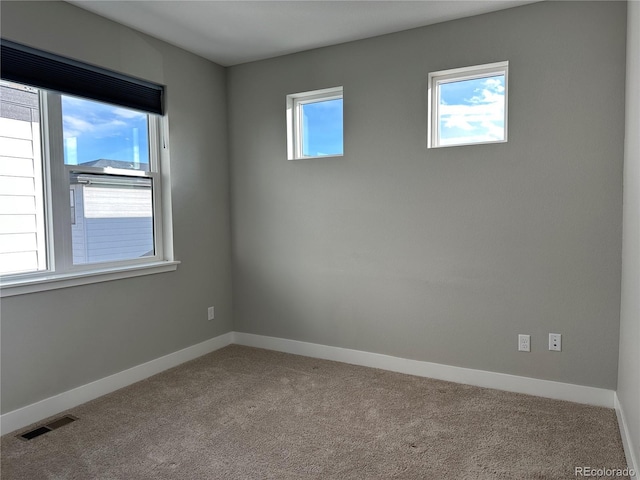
[295, 103]
[132, 195]
[437, 79]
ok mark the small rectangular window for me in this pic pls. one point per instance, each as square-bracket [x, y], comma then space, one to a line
[315, 124]
[468, 105]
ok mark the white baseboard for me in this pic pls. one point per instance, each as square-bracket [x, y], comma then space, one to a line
[561, 391]
[501, 381]
[627, 443]
[35, 412]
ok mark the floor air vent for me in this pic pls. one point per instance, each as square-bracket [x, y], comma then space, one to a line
[36, 432]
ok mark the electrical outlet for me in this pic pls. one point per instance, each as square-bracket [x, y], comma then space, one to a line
[524, 343]
[210, 313]
[555, 342]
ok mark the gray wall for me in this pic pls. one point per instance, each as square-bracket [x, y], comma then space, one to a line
[442, 255]
[57, 340]
[439, 255]
[629, 363]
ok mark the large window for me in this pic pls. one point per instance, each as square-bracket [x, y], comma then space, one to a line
[80, 185]
[315, 126]
[468, 105]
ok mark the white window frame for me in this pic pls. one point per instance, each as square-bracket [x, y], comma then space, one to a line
[456, 75]
[60, 271]
[295, 102]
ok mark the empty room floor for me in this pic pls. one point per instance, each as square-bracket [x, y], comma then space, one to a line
[247, 413]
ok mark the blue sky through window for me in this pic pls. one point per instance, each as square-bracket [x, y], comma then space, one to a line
[95, 131]
[322, 128]
[472, 111]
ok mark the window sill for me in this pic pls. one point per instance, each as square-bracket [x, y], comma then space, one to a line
[9, 288]
[319, 157]
[466, 144]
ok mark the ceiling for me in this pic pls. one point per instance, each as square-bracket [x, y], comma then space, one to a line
[234, 32]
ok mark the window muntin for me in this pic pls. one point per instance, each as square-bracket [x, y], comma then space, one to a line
[468, 105]
[103, 199]
[315, 124]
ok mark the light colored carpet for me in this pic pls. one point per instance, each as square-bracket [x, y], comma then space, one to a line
[246, 413]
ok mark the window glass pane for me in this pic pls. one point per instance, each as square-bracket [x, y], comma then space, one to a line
[471, 111]
[322, 128]
[22, 231]
[102, 135]
[113, 218]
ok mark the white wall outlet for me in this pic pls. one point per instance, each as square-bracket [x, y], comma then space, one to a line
[555, 342]
[210, 313]
[524, 343]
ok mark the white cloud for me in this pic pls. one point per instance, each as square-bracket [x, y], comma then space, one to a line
[100, 120]
[468, 139]
[98, 127]
[457, 121]
[487, 96]
[126, 113]
[494, 84]
[74, 126]
[481, 116]
[463, 115]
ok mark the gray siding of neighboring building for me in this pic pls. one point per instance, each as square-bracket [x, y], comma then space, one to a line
[112, 239]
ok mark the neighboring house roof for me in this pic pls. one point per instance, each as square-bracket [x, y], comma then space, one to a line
[104, 163]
